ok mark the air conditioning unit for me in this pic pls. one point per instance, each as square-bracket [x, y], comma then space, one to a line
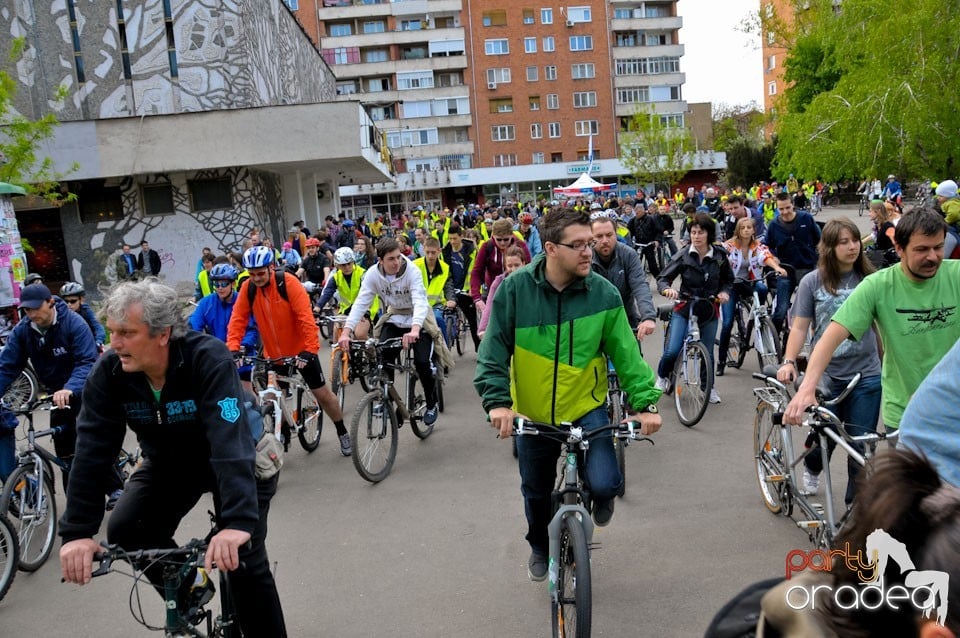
[570, 23]
[491, 85]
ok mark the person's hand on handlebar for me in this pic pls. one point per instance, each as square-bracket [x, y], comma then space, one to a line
[723, 297]
[501, 419]
[670, 293]
[803, 399]
[76, 560]
[344, 341]
[649, 423]
[411, 337]
[224, 549]
[61, 398]
[787, 372]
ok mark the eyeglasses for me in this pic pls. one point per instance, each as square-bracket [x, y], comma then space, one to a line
[72, 301]
[580, 246]
[221, 283]
[502, 239]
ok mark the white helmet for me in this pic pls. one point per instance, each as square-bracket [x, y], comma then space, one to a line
[343, 256]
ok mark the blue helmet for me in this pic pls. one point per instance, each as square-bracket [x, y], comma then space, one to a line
[257, 257]
[223, 271]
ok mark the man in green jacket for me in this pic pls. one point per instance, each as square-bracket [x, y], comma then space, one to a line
[544, 357]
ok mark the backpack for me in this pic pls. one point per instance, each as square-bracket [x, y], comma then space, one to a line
[269, 456]
[279, 277]
[739, 617]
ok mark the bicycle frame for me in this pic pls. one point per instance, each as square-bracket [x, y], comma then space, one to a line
[283, 389]
[388, 390]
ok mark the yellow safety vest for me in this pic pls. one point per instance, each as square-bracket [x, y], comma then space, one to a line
[483, 232]
[434, 286]
[206, 286]
[446, 231]
[348, 292]
[244, 274]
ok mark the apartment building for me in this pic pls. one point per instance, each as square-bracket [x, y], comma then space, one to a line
[775, 15]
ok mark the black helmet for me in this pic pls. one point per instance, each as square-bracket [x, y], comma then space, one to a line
[32, 278]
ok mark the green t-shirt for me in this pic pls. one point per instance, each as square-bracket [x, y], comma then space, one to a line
[918, 321]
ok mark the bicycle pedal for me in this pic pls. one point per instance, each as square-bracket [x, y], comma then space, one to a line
[814, 524]
[817, 507]
[775, 478]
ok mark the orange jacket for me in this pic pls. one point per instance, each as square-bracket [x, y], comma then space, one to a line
[286, 327]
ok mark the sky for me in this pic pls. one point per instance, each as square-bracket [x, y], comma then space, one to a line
[722, 63]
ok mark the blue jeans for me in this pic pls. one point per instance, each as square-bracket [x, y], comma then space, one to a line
[727, 314]
[538, 455]
[785, 288]
[676, 333]
[859, 411]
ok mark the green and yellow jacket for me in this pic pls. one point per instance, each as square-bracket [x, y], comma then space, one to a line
[558, 342]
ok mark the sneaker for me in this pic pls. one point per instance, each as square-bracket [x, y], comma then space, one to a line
[811, 482]
[537, 566]
[113, 498]
[603, 512]
[714, 396]
[430, 416]
[663, 384]
[345, 448]
[721, 368]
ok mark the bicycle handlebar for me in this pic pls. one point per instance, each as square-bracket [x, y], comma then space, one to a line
[41, 402]
[571, 434]
[113, 553]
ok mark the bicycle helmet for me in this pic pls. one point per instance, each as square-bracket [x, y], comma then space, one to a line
[223, 271]
[71, 289]
[257, 257]
[32, 278]
[343, 256]
[313, 241]
[348, 222]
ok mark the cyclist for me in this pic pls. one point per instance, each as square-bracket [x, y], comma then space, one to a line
[621, 266]
[747, 258]
[646, 229]
[704, 271]
[400, 287]
[315, 267]
[892, 192]
[667, 228]
[345, 283]
[524, 326]
[436, 280]
[489, 260]
[529, 233]
[286, 326]
[202, 287]
[792, 237]
[72, 294]
[178, 390]
[513, 260]
[459, 254]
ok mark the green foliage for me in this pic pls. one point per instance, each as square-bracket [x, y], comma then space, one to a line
[891, 108]
[734, 123]
[653, 152]
[748, 163]
[812, 69]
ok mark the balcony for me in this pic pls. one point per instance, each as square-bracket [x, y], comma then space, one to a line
[660, 51]
[374, 69]
[357, 8]
[662, 79]
[670, 23]
[627, 110]
[430, 121]
[386, 38]
[389, 97]
[432, 150]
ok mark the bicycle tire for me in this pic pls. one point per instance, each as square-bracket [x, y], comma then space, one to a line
[694, 380]
[9, 555]
[420, 429]
[31, 511]
[768, 461]
[309, 417]
[23, 390]
[573, 607]
[227, 624]
[768, 350]
[449, 331]
[325, 328]
[337, 385]
[616, 415]
[438, 384]
[461, 329]
[368, 442]
[736, 349]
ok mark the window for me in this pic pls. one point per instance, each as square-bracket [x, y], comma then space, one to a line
[556, 158]
[768, 9]
[337, 30]
[416, 109]
[583, 155]
[293, 5]
[622, 14]
[550, 72]
[648, 66]
[451, 106]
[415, 80]
[532, 74]
[157, 199]
[553, 101]
[771, 37]
[581, 43]
[413, 137]
[585, 99]
[210, 194]
[413, 52]
[578, 14]
[505, 159]
[771, 63]
[534, 102]
[656, 11]
[494, 18]
[410, 25]
[633, 94]
[583, 71]
[664, 93]
[501, 105]
[376, 55]
[529, 45]
[528, 17]
[498, 76]
[672, 120]
[549, 43]
[503, 133]
[376, 85]
[341, 55]
[346, 88]
[582, 128]
[536, 131]
[546, 16]
[496, 47]
[771, 88]
[537, 158]
[553, 129]
[656, 39]
[377, 26]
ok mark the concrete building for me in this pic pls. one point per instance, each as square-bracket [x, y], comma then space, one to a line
[776, 16]
[184, 123]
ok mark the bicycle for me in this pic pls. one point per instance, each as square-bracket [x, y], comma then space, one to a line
[752, 328]
[456, 327]
[381, 411]
[864, 206]
[342, 373]
[616, 398]
[299, 411]
[9, 555]
[777, 464]
[571, 528]
[692, 377]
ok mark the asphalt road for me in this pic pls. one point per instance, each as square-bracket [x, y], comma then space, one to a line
[437, 549]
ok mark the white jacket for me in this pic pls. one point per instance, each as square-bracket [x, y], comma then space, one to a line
[403, 294]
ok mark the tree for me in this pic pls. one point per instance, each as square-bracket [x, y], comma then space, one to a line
[655, 152]
[749, 163]
[890, 108]
[734, 123]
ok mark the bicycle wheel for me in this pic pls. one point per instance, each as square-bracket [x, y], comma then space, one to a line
[373, 431]
[23, 390]
[767, 344]
[32, 509]
[694, 379]
[461, 332]
[450, 331]
[336, 377]
[325, 327]
[420, 429]
[616, 415]
[768, 458]
[573, 606]
[9, 555]
[737, 350]
[309, 417]
[225, 626]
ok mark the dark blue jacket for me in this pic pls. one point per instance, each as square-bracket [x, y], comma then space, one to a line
[62, 357]
[99, 334]
[212, 316]
[797, 245]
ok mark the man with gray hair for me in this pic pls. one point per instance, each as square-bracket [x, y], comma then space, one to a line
[179, 391]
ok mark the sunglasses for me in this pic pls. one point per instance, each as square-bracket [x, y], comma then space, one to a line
[222, 283]
[72, 301]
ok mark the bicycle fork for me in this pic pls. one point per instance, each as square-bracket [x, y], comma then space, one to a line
[575, 510]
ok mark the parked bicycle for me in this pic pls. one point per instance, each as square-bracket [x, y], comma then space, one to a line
[381, 411]
[777, 463]
[571, 528]
[300, 413]
[692, 377]
[752, 328]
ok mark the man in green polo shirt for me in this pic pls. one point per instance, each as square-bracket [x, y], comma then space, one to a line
[916, 308]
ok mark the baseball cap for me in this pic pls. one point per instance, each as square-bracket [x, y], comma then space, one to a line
[947, 188]
[34, 295]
